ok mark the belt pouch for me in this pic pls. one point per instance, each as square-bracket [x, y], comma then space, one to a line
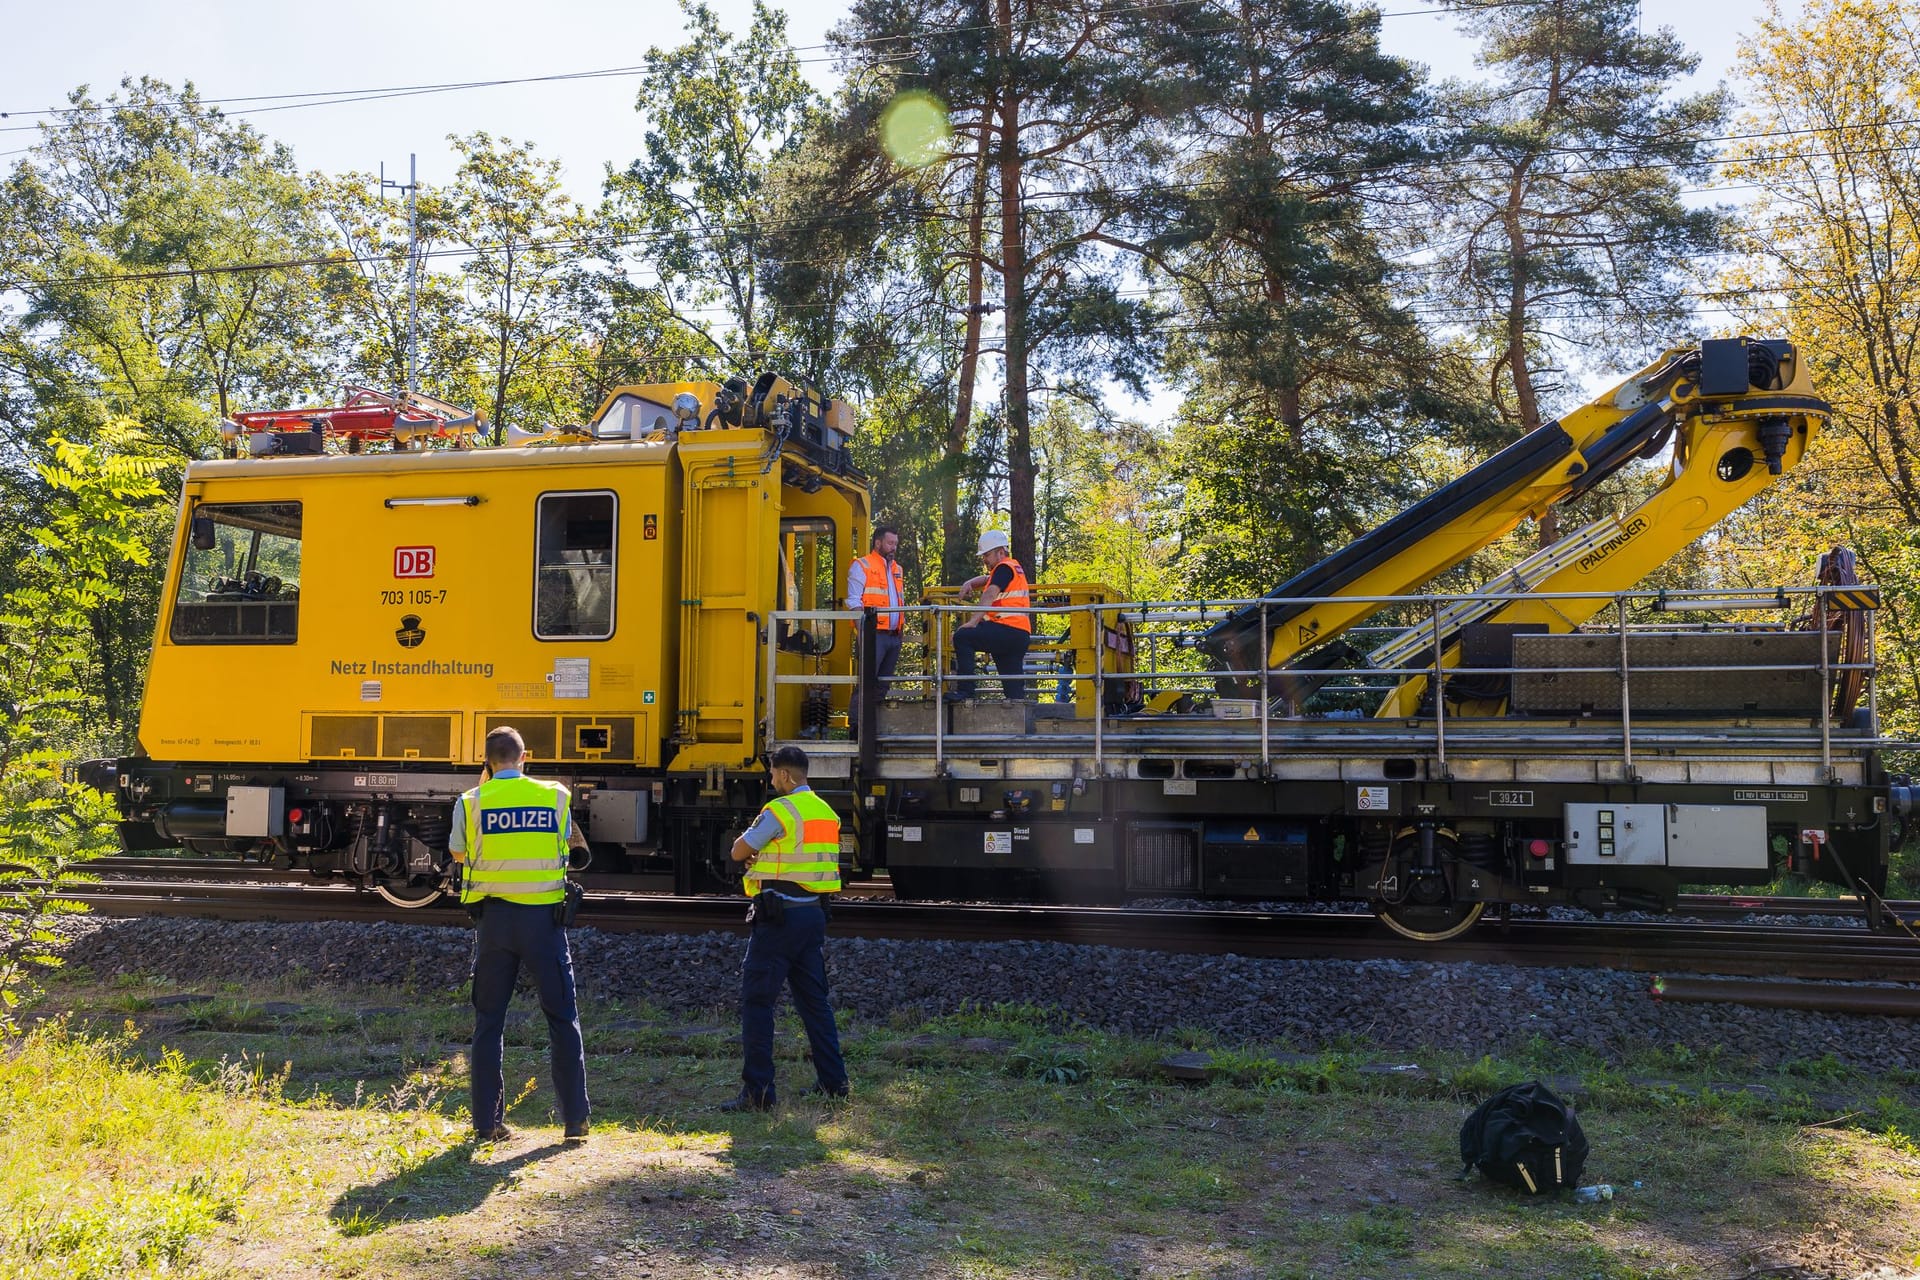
[567, 910]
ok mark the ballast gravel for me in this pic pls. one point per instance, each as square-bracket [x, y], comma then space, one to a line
[1302, 1005]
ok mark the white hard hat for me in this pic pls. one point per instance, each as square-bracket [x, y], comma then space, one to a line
[991, 539]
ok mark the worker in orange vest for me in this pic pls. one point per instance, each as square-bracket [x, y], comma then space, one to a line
[873, 582]
[1002, 626]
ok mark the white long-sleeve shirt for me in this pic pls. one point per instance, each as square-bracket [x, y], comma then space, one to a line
[857, 590]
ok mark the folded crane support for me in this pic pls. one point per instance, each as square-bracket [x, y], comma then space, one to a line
[1733, 402]
[1513, 467]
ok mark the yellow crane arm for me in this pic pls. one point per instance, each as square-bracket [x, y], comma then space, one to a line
[1714, 473]
[1723, 397]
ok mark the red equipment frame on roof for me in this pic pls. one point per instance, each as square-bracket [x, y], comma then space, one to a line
[367, 416]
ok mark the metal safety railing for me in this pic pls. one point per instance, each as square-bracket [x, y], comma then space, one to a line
[1162, 653]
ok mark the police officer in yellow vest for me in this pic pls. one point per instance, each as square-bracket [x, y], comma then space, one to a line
[511, 834]
[793, 856]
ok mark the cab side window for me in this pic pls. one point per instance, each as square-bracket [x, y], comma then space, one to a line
[240, 576]
[573, 566]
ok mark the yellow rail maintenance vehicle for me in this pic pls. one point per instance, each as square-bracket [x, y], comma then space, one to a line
[348, 612]
[654, 600]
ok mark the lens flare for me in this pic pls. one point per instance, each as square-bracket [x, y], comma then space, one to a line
[914, 129]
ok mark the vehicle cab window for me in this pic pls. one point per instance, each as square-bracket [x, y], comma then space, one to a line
[240, 576]
[574, 566]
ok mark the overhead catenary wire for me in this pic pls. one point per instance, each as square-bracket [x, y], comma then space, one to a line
[327, 97]
[672, 363]
[1069, 195]
[628, 241]
[1087, 195]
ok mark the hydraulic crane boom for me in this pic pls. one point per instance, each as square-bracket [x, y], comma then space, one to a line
[1743, 411]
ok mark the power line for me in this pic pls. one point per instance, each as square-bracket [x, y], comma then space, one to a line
[1071, 196]
[1709, 302]
[334, 97]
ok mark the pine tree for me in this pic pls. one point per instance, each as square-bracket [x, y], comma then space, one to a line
[1560, 220]
[1054, 107]
[1309, 387]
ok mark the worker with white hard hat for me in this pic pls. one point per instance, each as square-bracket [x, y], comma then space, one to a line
[1001, 627]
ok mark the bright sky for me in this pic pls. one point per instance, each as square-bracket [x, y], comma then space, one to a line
[233, 50]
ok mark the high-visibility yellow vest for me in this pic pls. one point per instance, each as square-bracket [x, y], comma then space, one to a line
[516, 841]
[1015, 596]
[874, 594]
[807, 850]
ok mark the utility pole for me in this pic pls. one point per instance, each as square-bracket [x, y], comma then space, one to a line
[411, 186]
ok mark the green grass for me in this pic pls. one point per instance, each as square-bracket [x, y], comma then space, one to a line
[90, 1180]
[226, 1141]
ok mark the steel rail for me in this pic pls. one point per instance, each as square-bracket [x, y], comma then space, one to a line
[1741, 950]
[1689, 904]
[1896, 1002]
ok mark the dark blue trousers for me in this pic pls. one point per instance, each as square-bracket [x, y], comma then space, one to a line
[512, 934]
[1008, 648]
[791, 953]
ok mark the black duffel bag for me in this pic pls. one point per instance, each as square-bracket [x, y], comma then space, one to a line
[1526, 1137]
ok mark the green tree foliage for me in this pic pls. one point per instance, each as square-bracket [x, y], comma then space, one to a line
[1831, 143]
[134, 230]
[139, 237]
[1558, 213]
[514, 316]
[363, 281]
[694, 209]
[67, 573]
[522, 236]
[859, 267]
[1108, 512]
[936, 212]
[1311, 391]
[1053, 107]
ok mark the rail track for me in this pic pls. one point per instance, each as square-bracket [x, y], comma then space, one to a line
[1706, 905]
[1805, 952]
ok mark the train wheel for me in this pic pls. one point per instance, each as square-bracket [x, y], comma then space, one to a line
[1429, 923]
[409, 894]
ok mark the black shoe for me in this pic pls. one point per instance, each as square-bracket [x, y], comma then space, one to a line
[952, 697]
[825, 1094]
[744, 1101]
[499, 1133]
[575, 1133]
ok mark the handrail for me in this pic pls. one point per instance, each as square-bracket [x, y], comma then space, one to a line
[1151, 640]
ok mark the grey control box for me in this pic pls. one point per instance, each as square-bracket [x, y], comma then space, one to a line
[1631, 835]
[256, 811]
[617, 817]
[1718, 836]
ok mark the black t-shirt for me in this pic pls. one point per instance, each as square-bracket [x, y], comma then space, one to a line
[1002, 576]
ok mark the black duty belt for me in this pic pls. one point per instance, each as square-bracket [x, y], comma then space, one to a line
[787, 887]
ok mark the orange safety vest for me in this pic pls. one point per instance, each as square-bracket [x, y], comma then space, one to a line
[1017, 596]
[874, 595]
[807, 850]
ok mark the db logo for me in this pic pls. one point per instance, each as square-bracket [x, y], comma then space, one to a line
[413, 562]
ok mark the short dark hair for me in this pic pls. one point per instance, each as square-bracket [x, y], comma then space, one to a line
[789, 757]
[505, 745]
[880, 531]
